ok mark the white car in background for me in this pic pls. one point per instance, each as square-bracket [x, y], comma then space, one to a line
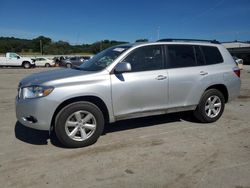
[44, 62]
[14, 60]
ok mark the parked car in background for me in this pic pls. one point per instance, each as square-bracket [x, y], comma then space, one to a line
[86, 58]
[238, 61]
[58, 60]
[14, 60]
[72, 61]
[44, 62]
[63, 60]
[129, 81]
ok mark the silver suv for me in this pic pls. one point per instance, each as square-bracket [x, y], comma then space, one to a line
[128, 81]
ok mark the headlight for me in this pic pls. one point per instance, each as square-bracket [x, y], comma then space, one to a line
[35, 92]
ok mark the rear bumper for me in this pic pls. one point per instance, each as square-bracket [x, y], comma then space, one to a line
[234, 89]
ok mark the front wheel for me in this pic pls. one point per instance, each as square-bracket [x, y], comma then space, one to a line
[47, 65]
[211, 106]
[79, 124]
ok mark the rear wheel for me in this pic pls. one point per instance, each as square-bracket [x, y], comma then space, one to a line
[26, 65]
[68, 65]
[79, 124]
[210, 107]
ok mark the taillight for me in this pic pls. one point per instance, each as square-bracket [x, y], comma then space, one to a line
[237, 71]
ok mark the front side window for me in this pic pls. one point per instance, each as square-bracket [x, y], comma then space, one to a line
[181, 56]
[145, 58]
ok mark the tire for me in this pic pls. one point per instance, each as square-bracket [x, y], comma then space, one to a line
[68, 65]
[26, 65]
[72, 128]
[211, 106]
[47, 65]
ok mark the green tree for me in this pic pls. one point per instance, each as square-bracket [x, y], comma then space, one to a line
[11, 44]
[141, 40]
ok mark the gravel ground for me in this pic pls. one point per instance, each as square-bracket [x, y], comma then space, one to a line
[162, 151]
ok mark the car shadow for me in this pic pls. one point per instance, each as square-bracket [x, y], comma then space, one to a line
[35, 137]
[149, 121]
[38, 137]
[31, 136]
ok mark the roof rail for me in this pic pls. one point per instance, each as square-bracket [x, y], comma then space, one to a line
[188, 40]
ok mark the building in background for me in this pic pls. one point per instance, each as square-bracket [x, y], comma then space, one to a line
[239, 49]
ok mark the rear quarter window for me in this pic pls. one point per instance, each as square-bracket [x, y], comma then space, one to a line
[212, 55]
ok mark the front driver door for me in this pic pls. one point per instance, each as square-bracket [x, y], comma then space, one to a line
[145, 88]
[13, 60]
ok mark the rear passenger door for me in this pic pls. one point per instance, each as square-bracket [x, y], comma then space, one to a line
[187, 74]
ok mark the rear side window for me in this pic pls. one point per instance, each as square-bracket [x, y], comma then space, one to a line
[199, 56]
[212, 55]
[181, 56]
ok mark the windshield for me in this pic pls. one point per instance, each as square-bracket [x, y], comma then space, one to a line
[103, 59]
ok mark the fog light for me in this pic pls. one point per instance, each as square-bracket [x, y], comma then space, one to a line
[30, 119]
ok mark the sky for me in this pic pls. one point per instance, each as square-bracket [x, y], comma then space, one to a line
[82, 21]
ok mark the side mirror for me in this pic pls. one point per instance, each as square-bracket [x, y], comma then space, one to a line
[122, 67]
[18, 57]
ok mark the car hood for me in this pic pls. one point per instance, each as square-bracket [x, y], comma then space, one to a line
[47, 77]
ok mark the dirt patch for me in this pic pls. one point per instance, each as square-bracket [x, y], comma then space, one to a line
[157, 142]
[244, 97]
[128, 171]
[154, 142]
[96, 150]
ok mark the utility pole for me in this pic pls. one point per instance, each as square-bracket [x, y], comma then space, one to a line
[41, 47]
[101, 45]
[236, 35]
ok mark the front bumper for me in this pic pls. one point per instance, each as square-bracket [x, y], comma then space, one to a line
[35, 113]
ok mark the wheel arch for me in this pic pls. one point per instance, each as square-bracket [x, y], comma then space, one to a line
[222, 88]
[25, 61]
[92, 99]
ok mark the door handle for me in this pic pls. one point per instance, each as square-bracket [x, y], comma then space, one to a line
[203, 73]
[160, 77]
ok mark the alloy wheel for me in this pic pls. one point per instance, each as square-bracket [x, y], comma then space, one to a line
[80, 125]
